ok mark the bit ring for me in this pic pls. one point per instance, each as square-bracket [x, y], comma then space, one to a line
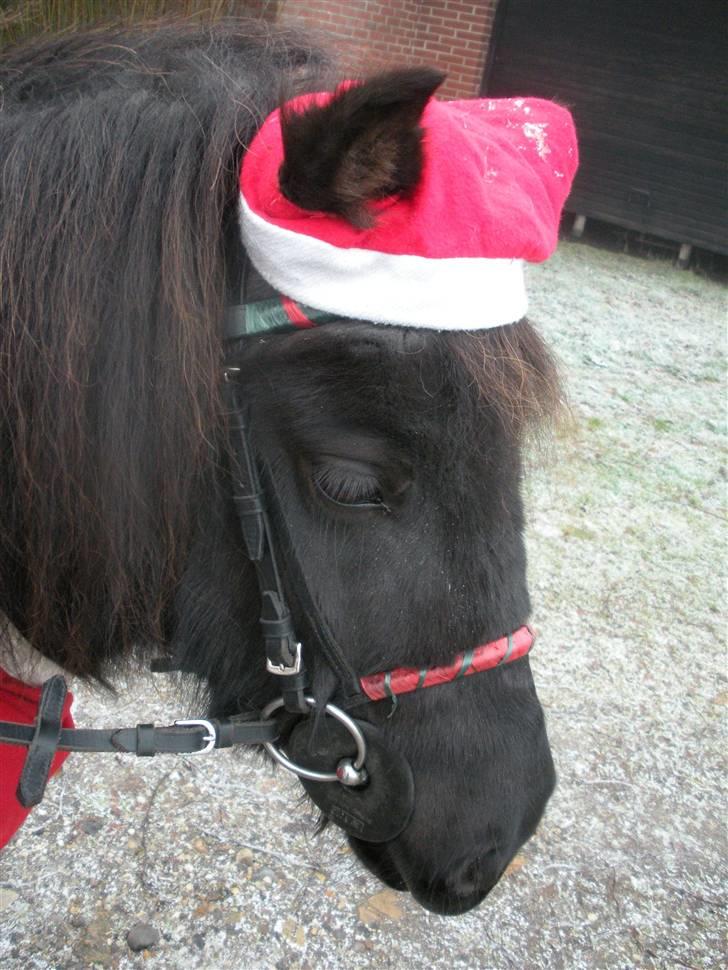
[308, 773]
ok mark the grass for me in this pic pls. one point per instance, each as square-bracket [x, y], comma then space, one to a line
[21, 19]
[571, 531]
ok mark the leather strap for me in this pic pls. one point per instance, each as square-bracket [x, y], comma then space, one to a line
[144, 740]
[282, 647]
[323, 638]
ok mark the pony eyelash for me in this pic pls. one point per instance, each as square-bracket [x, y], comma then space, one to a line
[347, 490]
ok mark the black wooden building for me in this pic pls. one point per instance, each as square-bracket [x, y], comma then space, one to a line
[646, 81]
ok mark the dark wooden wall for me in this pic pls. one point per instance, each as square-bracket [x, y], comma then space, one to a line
[646, 81]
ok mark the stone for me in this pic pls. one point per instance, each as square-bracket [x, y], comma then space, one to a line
[7, 898]
[516, 863]
[294, 932]
[216, 893]
[142, 936]
[91, 824]
[381, 906]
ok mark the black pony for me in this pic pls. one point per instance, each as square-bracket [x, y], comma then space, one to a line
[396, 453]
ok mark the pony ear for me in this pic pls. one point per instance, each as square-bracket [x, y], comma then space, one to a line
[364, 144]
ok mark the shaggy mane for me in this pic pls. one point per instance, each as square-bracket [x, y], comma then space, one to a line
[119, 154]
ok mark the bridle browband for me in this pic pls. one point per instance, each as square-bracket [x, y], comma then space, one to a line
[283, 648]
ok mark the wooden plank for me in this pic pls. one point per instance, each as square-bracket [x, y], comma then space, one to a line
[646, 85]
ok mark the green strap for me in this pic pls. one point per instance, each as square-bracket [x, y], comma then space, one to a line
[266, 315]
[509, 651]
[390, 693]
[466, 664]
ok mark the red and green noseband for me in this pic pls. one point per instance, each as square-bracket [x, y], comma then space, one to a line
[403, 680]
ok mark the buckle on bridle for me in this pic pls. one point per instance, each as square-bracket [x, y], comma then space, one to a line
[284, 669]
[210, 738]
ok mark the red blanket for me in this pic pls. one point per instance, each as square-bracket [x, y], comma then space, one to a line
[19, 702]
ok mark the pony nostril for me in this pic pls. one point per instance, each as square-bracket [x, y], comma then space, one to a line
[477, 876]
[467, 880]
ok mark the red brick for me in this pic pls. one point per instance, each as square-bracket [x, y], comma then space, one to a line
[373, 34]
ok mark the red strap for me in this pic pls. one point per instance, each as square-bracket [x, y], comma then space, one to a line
[295, 314]
[489, 655]
[19, 702]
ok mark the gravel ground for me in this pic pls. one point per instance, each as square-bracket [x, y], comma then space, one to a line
[626, 548]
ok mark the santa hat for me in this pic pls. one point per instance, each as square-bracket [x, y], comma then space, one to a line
[477, 190]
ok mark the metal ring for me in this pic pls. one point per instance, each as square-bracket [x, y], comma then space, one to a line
[341, 717]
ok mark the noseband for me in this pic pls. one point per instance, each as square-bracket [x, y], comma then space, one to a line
[375, 795]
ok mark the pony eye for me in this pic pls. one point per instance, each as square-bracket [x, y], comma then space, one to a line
[349, 488]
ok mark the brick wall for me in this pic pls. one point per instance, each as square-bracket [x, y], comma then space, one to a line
[369, 35]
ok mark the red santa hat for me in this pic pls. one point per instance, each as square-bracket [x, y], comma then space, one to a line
[446, 252]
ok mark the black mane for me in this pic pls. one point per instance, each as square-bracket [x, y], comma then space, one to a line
[119, 154]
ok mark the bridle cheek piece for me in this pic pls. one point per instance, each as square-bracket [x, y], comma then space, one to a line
[375, 795]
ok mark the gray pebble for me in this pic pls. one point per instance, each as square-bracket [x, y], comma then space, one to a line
[142, 936]
[91, 825]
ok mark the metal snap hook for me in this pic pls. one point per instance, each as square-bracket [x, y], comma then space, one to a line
[348, 772]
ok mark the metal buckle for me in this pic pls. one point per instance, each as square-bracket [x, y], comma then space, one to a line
[229, 372]
[283, 670]
[210, 738]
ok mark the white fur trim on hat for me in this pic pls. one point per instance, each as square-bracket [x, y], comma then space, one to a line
[463, 293]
